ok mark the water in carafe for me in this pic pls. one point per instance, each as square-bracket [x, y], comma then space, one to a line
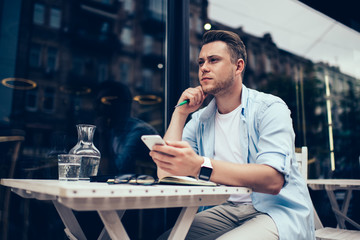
[90, 154]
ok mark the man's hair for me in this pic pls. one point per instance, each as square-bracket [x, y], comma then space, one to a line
[233, 41]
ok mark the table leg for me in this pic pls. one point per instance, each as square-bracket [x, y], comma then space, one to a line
[183, 223]
[346, 203]
[104, 235]
[113, 225]
[341, 214]
[69, 220]
[335, 207]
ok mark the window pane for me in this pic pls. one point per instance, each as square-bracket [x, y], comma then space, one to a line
[51, 58]
[148, 44]
[49, 100]
[97, 62]
[35, 55]
[105, 67]
[31, 100]
[127, 37]
[155, 7]
[55, 18]
[128, 5]
[39, 14]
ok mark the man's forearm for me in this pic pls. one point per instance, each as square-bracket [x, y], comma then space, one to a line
[176, 126]
[174, 133]
[261, 178]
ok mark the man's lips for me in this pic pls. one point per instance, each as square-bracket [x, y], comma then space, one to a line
[205, 78]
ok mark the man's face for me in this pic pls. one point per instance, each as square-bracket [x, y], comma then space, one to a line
[216, 71]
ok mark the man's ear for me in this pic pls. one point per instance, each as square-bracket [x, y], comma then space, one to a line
[240, 65]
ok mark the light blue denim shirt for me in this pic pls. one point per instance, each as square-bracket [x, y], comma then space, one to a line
[267, 137]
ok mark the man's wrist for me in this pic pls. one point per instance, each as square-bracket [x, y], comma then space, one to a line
[205, 169]
[180, 116]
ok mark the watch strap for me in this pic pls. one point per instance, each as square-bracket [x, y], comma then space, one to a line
[205, 169]
[207, 163]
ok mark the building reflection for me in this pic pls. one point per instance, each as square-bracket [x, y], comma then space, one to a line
[67, 48]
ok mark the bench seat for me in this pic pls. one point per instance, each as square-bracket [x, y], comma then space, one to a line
[336, 234]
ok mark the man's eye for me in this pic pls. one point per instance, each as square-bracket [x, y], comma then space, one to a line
[201, 63]
[213, 60]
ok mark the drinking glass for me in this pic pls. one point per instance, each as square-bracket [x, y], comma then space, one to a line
[69, 167]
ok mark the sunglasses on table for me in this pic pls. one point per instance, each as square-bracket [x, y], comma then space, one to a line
[132, 179]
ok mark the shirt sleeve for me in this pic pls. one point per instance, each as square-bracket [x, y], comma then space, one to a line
[189, 132]
[276, 138]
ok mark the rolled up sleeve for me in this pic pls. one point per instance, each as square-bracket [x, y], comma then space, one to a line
[276, 138]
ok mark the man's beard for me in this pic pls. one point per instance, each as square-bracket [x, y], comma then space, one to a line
[219, 88]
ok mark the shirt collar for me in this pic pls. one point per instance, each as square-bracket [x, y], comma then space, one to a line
[210, 110]
[244, 99]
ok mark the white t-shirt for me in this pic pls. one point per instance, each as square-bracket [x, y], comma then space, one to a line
[227, 144]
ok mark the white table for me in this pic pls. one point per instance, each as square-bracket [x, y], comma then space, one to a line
[331, 185]
[111, 201]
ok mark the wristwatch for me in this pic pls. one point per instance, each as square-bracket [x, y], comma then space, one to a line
[206, 169]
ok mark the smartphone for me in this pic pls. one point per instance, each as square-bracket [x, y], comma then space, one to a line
[151, 140]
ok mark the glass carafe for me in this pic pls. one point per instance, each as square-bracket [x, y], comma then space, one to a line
[85, 147]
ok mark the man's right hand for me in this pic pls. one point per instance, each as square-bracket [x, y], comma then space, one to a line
[196, 97]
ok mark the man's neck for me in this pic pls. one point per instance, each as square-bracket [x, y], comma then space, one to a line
[229, 101]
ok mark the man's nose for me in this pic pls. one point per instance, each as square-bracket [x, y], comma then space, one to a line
[204, 67]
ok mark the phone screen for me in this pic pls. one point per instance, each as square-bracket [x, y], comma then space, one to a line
[151, 140]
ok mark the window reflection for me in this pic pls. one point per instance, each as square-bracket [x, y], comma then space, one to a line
[155, 9]
[51, 59]
[31, 100]
[126, 36]
[39, 14]
[49, 100]
[69, 49]
[35, 55]
[55, 18]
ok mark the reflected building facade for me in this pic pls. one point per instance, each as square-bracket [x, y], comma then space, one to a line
[69, 47]
[54, 56]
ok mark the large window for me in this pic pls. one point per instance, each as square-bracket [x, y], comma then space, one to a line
[103, 62]
[85, 61]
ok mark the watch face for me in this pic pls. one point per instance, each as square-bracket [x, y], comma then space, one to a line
[205, 173]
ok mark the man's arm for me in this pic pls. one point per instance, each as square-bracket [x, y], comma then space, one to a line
[266, 176]
[183, 161]
[259, 177]
[174, 132]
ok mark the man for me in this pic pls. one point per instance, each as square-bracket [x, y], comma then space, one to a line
[118, 132]
[242, 138]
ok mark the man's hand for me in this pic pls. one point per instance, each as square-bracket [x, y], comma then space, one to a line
[196, 97]
[177, 158]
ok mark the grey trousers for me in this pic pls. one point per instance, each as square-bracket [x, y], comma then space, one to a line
[231, 221]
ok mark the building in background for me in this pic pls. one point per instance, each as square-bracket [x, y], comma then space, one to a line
[301, 84]
[55, 53]
[68, 48]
